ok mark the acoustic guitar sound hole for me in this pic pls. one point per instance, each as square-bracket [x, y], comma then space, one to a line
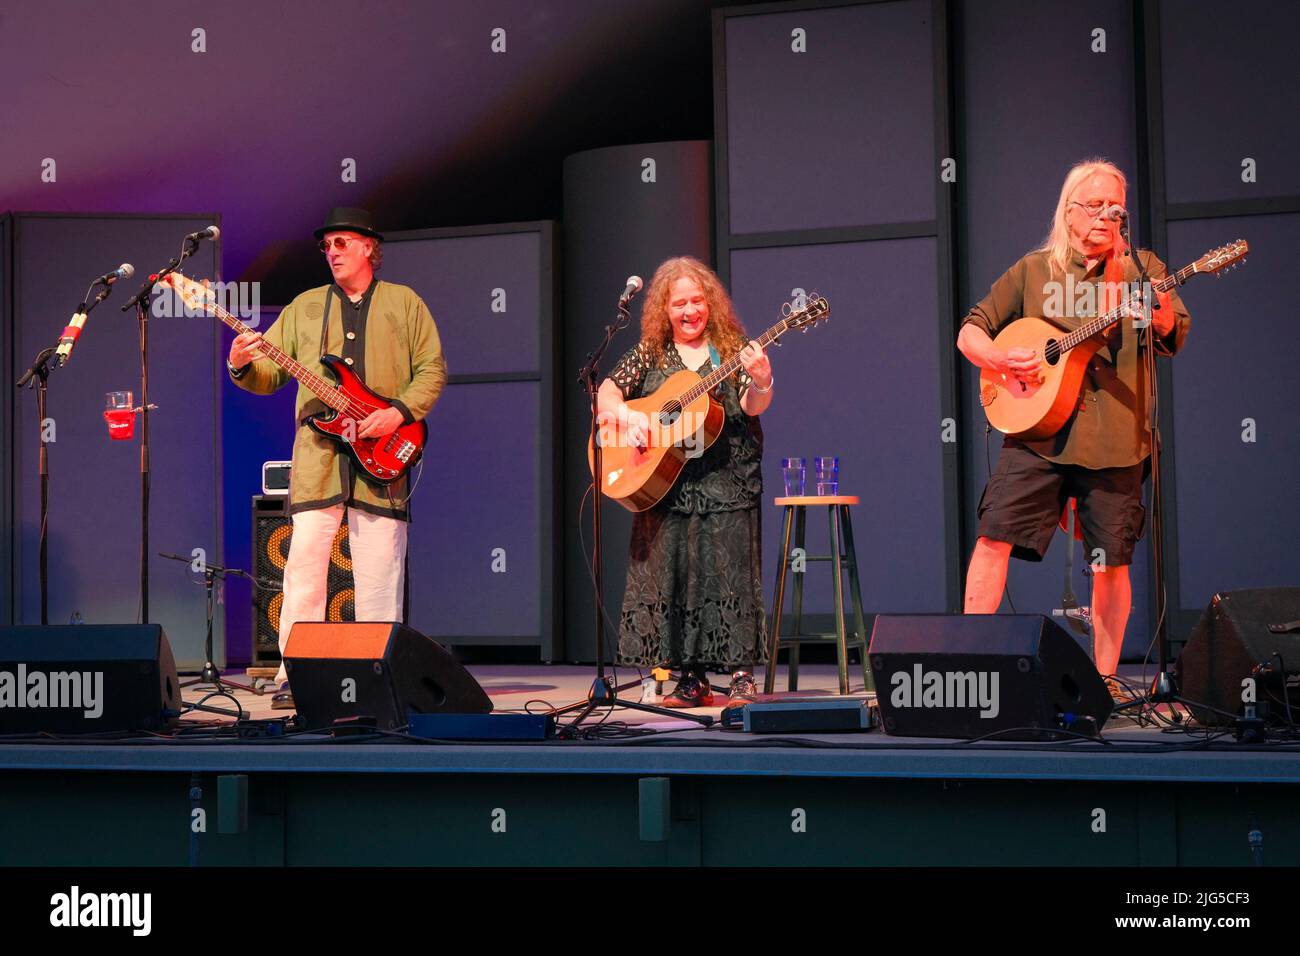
[1052, 351]
[669, 414]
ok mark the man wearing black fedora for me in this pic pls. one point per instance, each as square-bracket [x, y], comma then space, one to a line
[386, 334]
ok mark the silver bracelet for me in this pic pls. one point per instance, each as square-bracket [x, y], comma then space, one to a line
[762, 391]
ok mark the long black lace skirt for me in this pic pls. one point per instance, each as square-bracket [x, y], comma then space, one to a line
[693, 594]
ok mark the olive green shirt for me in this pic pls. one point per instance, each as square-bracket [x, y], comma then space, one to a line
[396, 352]
[1108, 429]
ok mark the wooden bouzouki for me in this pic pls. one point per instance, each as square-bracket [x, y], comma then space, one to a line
[685, 419]
[1028, 410]
[381, 460]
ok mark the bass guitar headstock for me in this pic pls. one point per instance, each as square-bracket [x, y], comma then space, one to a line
[199, 297]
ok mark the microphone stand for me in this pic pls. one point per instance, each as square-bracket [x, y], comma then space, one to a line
[210, 675]
[38, 377]
[1164, 688]
[603, 693]
[139, 300]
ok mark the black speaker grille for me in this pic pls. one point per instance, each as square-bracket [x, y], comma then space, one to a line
[272, 532]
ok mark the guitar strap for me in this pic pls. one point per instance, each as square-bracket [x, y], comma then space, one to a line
[1113, 283]
[325, 322]
[716, 359]
[324, 329]
[345, 465]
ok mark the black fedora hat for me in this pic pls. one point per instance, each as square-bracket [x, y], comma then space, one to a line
[344, 219]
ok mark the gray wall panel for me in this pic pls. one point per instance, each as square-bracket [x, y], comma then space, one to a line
[1230, 82]
[862, 386]
[488, 478]
[1237, 526]
[95, 498]
[479, 492]
[456, 277]
[842, 135]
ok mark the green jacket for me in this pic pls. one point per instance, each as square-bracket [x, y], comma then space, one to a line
[396, 352]
[1108, 430]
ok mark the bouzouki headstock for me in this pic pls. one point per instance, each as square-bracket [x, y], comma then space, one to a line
[1224, 257]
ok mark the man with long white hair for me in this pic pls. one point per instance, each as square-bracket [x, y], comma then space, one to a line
[1100, 456]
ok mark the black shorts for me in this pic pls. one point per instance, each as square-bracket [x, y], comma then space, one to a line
[1023, 500]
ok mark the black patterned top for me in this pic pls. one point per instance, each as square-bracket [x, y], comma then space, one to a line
[729, 475]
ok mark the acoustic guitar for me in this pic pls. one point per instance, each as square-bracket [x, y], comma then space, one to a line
[1028, 410]
[380, 460]
[685, 419]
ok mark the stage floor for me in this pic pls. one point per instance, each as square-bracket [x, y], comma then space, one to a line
[1153, 751]
[516, 688]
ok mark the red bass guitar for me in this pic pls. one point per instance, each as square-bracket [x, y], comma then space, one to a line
[381, 460]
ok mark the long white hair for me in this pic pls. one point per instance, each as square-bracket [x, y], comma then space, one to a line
[1057, 244]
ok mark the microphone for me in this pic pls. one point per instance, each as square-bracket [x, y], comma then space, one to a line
[71, 332]
[124, 271]
[1115, 214]
[212, 232]
[634, 284]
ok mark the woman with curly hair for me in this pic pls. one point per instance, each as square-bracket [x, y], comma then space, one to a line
[694, 599]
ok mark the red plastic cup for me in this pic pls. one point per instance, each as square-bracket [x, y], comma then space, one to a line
[121, 423]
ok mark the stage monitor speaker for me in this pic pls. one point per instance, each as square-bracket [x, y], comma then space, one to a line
[272, 532]
[87, 679]
[1234, 637]
[375, 670]
[1017, 675]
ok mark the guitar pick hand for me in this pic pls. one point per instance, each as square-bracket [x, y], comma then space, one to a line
[383, 422]
[1021, 364]
[636, 427]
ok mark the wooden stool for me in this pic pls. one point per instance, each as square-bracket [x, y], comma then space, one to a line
[837, 507]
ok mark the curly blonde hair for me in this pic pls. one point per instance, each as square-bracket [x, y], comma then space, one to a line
[723, 331]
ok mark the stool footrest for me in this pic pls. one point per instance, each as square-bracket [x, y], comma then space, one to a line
[852, 640]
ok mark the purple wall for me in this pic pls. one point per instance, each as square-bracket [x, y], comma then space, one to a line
[446, 132]
[94, 521]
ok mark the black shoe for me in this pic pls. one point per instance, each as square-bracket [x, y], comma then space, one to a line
[691, 691]
[283, 699]
[743, 690]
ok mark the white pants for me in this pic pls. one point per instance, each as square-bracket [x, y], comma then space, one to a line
[378, 546]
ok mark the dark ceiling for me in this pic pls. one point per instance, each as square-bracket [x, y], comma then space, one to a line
[444, 131]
